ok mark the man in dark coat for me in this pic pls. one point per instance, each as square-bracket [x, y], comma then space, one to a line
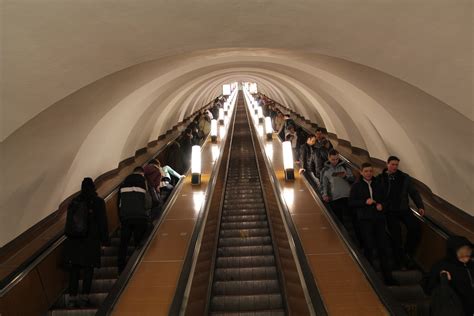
[134, 211]
[397, 187]
[459, 267]
[186, 144]
[366, 200]
[83, 253]
[307, 158]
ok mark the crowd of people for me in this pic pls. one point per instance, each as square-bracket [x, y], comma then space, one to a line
[140, 200]
[376, 206]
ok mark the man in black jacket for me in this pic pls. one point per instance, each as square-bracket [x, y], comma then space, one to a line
[366, 199]
[308, 160]
[397, 187]
[134, 208]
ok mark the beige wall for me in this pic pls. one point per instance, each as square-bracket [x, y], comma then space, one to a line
[85, 83]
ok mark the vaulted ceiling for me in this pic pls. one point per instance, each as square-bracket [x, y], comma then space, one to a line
[86, 83]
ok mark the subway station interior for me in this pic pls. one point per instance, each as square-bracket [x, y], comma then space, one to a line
[237, 158]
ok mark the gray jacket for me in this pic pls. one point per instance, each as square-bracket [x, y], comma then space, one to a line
[333, 186]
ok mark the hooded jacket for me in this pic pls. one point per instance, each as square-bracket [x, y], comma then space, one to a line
[333, 186]
[462, 275]
[397, 187]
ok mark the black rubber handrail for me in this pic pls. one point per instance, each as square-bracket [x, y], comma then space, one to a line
[13, 278]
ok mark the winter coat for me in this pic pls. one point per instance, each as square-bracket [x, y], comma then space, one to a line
[134, 199]
[462, 275]
[153, 175]
[322, 156]
[333, 186]
[358, 197]
[204, 125]
[307, 158]
[396, 188]
[86, 251]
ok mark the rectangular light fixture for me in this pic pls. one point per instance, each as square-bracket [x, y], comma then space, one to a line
[196, 165]
[268, 127]
[214, 131]
[288, 160]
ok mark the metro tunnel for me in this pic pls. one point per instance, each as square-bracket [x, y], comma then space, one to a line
[237, 158]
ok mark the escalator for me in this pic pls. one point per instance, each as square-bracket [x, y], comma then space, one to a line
[246, 278]
[102, 282]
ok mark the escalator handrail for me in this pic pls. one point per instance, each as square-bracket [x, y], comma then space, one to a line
[12, 279]
[309, 285]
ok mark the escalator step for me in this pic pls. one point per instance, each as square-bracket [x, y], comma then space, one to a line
[245, 274]
[73, 312]
[245, 262]
[244, 225]
[106, 273]
[244, 218]
[252, 211]
[245, 251]
[256, 232]
[408, 293]
[247, 302]
[246, 287]
[409, 277]
[100, 285]
[241, 205]
[244, 241]
[277, 312]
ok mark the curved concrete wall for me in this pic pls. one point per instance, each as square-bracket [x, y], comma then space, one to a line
[83, 91]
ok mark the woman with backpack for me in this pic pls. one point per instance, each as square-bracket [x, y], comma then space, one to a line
[86, 229]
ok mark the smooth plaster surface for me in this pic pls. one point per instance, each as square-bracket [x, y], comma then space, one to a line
[87, 83]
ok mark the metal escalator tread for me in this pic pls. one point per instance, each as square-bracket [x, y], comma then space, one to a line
[409, 292]
[103, 281]
[245, 277]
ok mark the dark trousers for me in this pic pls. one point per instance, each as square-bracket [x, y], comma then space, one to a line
[74, 279]
[374, 237]
[339, 207]
[132, 227]
[394, 220]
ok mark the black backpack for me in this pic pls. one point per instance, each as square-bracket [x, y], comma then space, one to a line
[77, 220]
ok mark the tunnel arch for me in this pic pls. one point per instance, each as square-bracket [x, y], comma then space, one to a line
[122, 112]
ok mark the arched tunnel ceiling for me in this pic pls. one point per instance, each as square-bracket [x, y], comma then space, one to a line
[52, 48]
[87, 83]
